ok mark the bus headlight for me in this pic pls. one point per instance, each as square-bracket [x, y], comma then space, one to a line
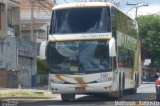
[56, 81]
[104, 79]
[101, 80]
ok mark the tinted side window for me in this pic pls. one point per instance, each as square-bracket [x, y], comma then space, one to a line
[126, 58]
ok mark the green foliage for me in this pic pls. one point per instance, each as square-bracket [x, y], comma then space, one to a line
[42, 67]
[149, 31]
[17, 30]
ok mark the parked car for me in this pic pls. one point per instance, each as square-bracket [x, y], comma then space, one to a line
[149, 77]
[158, 88]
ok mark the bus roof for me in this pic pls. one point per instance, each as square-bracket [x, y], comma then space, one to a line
[82, 4]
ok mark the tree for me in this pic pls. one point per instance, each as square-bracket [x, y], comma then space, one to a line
[149, 31]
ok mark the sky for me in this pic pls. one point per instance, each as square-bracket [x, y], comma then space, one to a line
[152, 8]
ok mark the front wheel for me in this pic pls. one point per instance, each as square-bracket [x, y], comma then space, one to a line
[121, 87]
[67, 97]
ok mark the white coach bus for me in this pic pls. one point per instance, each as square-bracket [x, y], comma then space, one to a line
[92, 47]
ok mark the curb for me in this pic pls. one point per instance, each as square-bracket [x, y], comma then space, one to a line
[2, 98]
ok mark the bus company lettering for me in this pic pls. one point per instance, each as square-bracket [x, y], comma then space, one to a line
[126, 41]
[95, 36]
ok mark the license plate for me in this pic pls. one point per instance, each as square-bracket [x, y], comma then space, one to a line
[80, 89]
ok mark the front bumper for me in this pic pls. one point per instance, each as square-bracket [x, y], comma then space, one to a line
[89, 88]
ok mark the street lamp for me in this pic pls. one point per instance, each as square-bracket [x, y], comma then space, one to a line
[137, 6]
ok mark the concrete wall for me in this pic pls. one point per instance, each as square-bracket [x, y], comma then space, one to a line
[19, 55]
[27, 64]
[8, 79]
[8, 63]
[8, 53]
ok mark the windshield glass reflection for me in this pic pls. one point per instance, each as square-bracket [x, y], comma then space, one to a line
[78, 56]
[81, 20]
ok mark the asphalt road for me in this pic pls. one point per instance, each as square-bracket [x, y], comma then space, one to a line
[145, 95]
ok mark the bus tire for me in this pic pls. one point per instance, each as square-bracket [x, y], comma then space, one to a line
[123, 84]
[67, 97]
[120, 91]
[137, 80]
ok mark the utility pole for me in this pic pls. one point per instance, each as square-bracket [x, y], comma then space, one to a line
[137, 5]
[55, 1]
[32, 34]
[32, 19]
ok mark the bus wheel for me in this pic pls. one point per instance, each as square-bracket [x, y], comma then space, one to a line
[67, 97]
[137, 81]
[120, 92]
[123, 84]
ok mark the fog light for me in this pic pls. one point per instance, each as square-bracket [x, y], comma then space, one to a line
[105, 87]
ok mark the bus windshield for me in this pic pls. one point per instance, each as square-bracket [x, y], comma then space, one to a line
[78, 57]
[81, 20]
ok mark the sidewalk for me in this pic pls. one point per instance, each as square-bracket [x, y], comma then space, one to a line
[32, 89]
[37, 90]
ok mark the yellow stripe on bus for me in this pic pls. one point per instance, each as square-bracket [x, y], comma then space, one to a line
[60, 40]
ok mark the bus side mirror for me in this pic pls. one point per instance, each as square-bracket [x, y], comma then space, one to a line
[112, 47]
[43, 50]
